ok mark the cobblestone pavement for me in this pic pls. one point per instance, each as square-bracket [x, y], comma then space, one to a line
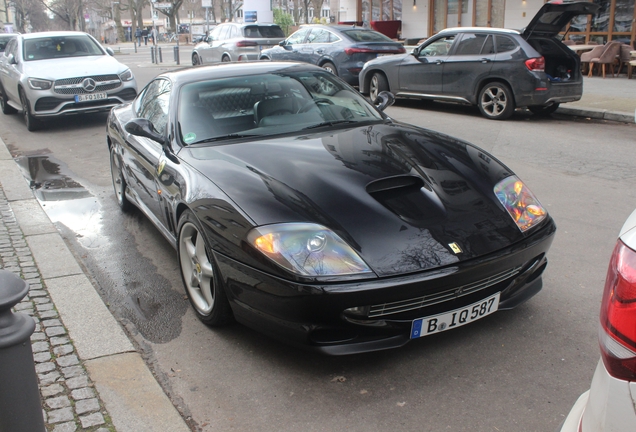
[68, 397]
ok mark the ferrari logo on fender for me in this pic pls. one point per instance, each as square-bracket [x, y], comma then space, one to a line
[455, 248]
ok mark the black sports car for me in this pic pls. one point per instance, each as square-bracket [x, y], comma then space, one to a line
[303, 211]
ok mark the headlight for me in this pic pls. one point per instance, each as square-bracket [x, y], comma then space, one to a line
[521, 204]
[127, 75]
[40, 84]
[307, 249]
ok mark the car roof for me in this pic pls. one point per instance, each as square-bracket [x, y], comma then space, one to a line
[244, 24]
[52, 34]
[232, 70]
[478, 29]
[340, 27]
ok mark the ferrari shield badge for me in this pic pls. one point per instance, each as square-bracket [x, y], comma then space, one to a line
[455, 248]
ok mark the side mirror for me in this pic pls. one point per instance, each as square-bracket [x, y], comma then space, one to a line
[414, 52]
[384, 100]
[11, 59]
[144, 128]
[110, 51]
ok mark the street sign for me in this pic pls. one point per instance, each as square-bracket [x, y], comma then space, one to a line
[206, 3]
[163, 5]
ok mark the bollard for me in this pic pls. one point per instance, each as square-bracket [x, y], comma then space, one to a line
[152, 54]
[135, 45]
[20, 408]
[160, 56]
[176, 54]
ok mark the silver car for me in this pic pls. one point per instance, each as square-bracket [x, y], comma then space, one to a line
[50, 74]
[237, 42]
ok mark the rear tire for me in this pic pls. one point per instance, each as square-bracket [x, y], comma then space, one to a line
[378, 84]
[225, 59]
[330, 67]
[31, 122]
[4, 104]
[119, 184]
[196, 60]
[495, 101]
[200, 274]
[543, 111]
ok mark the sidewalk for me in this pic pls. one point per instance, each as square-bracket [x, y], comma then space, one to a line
[91, 376]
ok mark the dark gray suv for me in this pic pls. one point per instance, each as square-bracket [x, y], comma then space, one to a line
[496, 69]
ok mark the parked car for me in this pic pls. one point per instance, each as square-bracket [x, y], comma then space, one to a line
[4, 40]
[496, 69]
[609, 404]
[299, 209]
[50, 74]
[236, 42]
[342, 50]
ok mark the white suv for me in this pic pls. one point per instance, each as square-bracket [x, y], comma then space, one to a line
[610, 404]
[49, 74]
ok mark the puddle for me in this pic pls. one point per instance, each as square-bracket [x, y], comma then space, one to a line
[65, 200]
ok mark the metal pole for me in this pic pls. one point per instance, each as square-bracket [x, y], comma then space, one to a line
[20, 408]
[159, 53]
[152, 54]
[176, 54]
[135, 43]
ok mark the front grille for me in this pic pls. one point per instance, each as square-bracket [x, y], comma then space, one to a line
[438, 297]
[74, 85]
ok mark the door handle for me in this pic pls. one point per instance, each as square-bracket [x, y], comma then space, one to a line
[320, 51]
[485, 60]
[439, 62]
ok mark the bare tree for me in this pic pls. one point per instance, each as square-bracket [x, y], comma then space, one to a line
[317, 5]
[30, 12]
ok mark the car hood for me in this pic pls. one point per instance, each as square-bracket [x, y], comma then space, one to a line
[69, 67]
[403, 197]
[554, 16]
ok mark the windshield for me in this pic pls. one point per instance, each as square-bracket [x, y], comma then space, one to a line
[60, 46]
[268, 104]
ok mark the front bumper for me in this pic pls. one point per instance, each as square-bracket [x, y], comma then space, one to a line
[49, 104]
[315, 316]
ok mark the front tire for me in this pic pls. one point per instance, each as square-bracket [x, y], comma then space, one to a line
[199, 273]
[119, 184]
[196, 60]
[4, 103]
[377, 85]
[495, 101]
[31, 122]
[543, 111]
[225, 59]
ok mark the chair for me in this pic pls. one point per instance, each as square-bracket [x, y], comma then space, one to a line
[607, 57]
[624, 58]
[275, 107]
[587, 57]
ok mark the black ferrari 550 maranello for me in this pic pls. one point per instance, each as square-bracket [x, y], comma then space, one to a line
[303, 211]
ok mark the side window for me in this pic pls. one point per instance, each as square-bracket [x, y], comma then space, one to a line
[438, 47]
[489, 46]
[153, 105]
[471, 44]
[223, 32]
[234, 32]
[298, 37]
[318, 36]
[504, 43]
[333, 37]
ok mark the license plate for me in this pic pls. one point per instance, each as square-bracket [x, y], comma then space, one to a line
[90, 97]
[262, 47]
[448, 320]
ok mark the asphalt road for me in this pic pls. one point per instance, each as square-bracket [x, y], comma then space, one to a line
[518, 370]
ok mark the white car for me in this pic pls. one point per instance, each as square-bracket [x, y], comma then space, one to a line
[49, 74]
[610, 404]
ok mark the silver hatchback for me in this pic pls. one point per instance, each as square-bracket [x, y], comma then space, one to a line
[50, 74]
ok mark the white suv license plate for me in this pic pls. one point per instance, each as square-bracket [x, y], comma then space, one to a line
[90, 97]
[438, 323]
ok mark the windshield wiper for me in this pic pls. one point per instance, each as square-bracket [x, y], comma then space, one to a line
[330, 123]
[224, 137]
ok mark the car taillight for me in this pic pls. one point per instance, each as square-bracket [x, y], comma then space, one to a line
[617, 334]
[246, 43]
[355, 50]
[536, 64]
